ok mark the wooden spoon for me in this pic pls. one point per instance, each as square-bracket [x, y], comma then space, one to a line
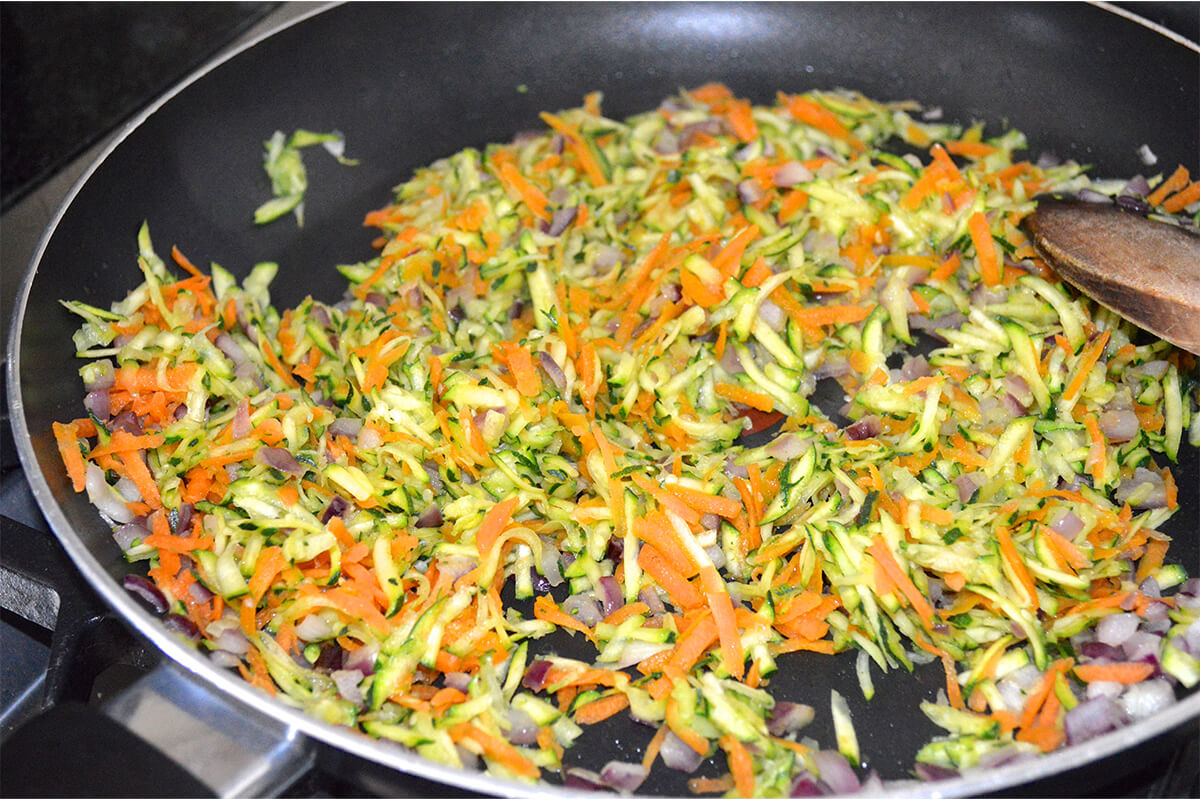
[1146, 271]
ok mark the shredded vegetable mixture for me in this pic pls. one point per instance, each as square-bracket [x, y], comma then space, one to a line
[528, 416]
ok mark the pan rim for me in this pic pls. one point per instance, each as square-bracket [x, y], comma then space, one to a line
[386, 753]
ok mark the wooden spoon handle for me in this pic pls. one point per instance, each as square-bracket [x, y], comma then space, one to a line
[1146, 271]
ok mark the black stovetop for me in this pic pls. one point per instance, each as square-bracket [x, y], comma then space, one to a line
[59, 646]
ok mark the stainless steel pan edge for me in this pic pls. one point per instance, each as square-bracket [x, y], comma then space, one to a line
[253, 701]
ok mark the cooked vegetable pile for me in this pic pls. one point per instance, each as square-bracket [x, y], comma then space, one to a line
[528, 416]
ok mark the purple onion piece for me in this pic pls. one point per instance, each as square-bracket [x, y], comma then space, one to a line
[183, 519]
[611, 595]
[98, 402]
[331, 657]
[430, 518]
[786, 717]
[349, 427]
[145, 591]
[622, 776]
[127, 421]
[362, 659]
[280, 459]
[679, 755]
[1115, 629]
[1092, 196]
[534, 678]
[553, 371]
[541, 584]
[806, 786]
[836, 772]
[580, 778]
[129, 533]
[1100, 650]
[562, 220]
[864, 428]
[933, 772]
[178, 623]
[523, 730]
[1092, 718]
[1134, 205]
[337, 507]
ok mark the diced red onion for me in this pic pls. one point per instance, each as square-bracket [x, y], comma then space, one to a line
[787, 446]
[242, 367]
[678, 754]
[730, 362]
[865, 428]
[229, 638]
[1134, 205]
[1145, 699]
[835, 772]
[552, 369]
[430, 518]
[1115, 629]
[1068, 525]
[1100, 651]
[933, 772]
[145, 591]
[770, 313]
[562, 220]
[280, 459]
[623, 776]
[610, 595]
[806, 786]
[1091, 718]
[1141, 644]
[224, 659]
[967, 485]
[1025, 677]
[716, 555]
[347, 682]
[791, 173]
[580, 778]
[583, 607]
[649, 596]
[241, 426]
[1010, 754]
[338, 506]
[349, 427]
[1011, 693]
[435, 477]
[1119, 425]
[786, 717]
[456, 680]
[97, 401]
[534, 678]
[362, 659]
[1092, 196]
[1141, 476]
[103, 497]
[750, 192]
[523, 730]
[129, 533]
[915, 367]
[1104, 689]
[1191, 638]
[313, 628]
[102, 375]
[707, 127]
[178, 623]
[548, 564]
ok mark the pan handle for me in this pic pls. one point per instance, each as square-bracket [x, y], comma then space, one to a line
[226, 746]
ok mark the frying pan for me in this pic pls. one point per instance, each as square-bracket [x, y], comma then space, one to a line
[407, 84]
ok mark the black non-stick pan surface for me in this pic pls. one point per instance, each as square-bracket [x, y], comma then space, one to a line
[407, 84]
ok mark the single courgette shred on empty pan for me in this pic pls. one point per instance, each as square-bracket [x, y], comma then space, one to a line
[523, 432]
